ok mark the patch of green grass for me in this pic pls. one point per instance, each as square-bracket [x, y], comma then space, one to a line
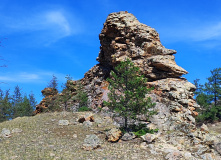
[83, 109]
[139, 130]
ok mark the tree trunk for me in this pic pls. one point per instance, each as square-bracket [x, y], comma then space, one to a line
[125, 123]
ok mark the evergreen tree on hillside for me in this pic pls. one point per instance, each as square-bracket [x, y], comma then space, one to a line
[5, 106]
[53, 83]
[128, 92]
[21, 105]
[32, 100]
[213, 88]
[208, 96]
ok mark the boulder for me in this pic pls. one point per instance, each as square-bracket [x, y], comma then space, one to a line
[113, 135]
[91, 142]
[6, 133]
[149, 138]
[128, 136]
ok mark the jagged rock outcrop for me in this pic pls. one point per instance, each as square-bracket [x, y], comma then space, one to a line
[124, 37]
[49, 94]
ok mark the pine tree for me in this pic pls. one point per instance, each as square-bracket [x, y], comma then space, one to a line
[208, 96]
[16, 101]
[53, 83]
[32, 100]
[5, 106]
[128, 92]
[213, 88]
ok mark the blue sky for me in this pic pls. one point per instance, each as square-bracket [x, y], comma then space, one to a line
[60, 37]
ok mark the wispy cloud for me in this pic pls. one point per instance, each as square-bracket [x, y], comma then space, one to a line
[209, 32]
[26, 77]
[57, 18]
[46, 26]
[206, 35]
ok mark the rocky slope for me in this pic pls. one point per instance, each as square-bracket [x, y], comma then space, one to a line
[122, 37]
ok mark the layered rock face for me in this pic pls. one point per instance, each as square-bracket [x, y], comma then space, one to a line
[122, 37]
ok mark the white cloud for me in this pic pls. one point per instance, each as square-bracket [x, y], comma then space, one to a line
[25, 77]
[210, 32]
[43, 27]
[57, 18]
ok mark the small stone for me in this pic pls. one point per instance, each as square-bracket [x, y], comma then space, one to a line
[75, 136]
[204, 128]
[16, 130]
[52, 154]
[149, 137]
[87, 123]
[63, 122]
[143, 145]
[187, 155]
[6, 133]
[191, 108]
[91, 142]
[174, 155]
[128, 136]
[194, 113]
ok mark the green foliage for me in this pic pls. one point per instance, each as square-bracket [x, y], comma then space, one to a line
[5, 106]
[53, 83]
[144, 131]
[128, 91]
[81, 96]
[16, 105]
[83, 109]
[208, 96]
[139, 130]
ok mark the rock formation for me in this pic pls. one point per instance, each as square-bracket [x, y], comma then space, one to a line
[122, 37]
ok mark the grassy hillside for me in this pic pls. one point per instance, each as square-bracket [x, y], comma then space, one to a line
[43, 138]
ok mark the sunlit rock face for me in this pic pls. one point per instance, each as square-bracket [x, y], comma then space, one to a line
[122, 37]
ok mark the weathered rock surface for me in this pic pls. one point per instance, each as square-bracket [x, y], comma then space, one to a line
[149, 137]
[123, 36]
[49, 94]
[113, 135]
[91, 142]
[128, 136]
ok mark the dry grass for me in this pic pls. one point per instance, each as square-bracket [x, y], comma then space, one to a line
[42, 138]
